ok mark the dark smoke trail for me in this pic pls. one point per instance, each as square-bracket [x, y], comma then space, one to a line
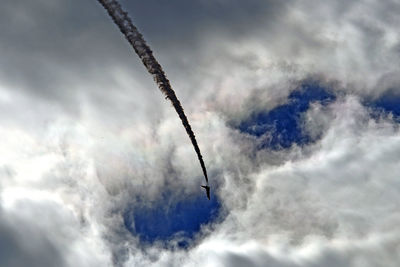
[131, 33]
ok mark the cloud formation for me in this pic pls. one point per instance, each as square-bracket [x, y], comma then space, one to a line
[86, 137]
[135, 38]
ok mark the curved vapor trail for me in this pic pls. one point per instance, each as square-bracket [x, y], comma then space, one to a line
[131, 33]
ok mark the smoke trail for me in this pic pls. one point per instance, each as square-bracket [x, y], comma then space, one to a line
[131, 33]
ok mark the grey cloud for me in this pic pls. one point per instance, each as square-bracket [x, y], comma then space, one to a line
[253, 260]
[329, 256]
[49, 47]
[184, 20]
[23, 244]
[59, 52]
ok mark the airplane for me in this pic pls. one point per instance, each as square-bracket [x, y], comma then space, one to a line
[207, 188]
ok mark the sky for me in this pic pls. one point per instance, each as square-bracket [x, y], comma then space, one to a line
[296, 109]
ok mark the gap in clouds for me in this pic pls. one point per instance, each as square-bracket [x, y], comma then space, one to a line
[281, 127]
[387, 103]
[172, 221]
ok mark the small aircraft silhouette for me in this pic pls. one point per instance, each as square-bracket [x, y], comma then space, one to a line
[207, 188]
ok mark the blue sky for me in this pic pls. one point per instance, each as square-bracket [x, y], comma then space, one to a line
[283, 124]
[294, 104]
[166, 218]
[388, 104]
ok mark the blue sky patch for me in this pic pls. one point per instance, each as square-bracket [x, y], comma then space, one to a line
[168, 219]
[281, 126]
[388, 102]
